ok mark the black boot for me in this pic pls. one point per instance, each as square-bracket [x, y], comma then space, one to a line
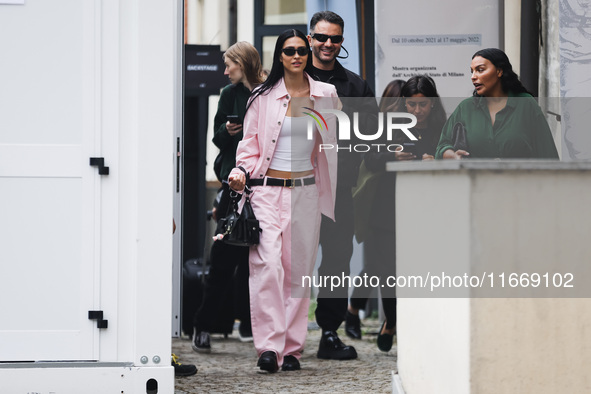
[331, 348]
[201, 341]
[182, 369]
[352, 326]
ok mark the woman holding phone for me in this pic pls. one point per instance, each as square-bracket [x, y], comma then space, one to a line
[244, 70]
[229, 263]
[375, 191]
[293, 182]
[419, 97]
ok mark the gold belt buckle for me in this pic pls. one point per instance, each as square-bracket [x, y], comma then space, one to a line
[292, 184]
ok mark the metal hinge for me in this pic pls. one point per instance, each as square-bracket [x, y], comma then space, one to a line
[98, 316]
[100, 163]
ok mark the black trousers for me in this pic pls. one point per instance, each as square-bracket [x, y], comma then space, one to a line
[379, 251]
[336, 240]
[228, 273]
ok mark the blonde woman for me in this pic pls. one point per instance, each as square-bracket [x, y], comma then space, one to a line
[229, 263]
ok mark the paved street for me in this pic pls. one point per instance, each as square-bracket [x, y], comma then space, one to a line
[231, 367]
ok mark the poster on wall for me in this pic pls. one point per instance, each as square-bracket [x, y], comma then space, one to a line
[575, 86]
[434, 38]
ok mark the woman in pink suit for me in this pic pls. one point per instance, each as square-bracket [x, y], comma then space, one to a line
[293, 183]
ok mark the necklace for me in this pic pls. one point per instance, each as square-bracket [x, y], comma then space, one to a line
[418, 132]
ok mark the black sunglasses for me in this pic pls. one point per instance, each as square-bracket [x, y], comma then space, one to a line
[324, 37]
[290, 51]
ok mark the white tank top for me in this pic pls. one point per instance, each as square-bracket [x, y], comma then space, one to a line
[293, 150]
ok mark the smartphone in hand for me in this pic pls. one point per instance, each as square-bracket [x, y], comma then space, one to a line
[414, 148]
[233, 119]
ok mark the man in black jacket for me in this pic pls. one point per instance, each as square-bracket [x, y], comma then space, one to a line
[336, 238]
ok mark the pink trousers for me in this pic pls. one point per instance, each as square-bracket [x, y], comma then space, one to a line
[290, 220]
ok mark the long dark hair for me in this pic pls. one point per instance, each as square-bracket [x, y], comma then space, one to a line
[425, 85]
[509, 80]
[277, 70]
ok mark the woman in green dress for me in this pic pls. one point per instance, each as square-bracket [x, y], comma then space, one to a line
[502, 120]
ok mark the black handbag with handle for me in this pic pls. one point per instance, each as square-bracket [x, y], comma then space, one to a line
[239, 229]
[458, 136]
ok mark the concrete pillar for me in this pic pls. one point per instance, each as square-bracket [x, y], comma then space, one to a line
[494, 221]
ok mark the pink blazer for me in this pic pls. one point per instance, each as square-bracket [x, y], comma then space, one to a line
[262, 124]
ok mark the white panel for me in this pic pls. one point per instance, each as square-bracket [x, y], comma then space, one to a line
[145, 202]
[50, 206]
[42, 160]
[433, 340]
[41, 95]
[87, 379]
[46, 217]
[176, 242]
[45, 268]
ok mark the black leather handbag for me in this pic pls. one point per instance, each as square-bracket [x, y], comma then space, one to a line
[239, 229]
[458, 136]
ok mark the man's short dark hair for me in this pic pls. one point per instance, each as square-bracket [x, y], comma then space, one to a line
[327, 16]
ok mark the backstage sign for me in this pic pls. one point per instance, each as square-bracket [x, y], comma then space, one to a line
[204, 70]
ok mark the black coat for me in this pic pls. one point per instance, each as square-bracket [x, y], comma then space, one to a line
[349, 85]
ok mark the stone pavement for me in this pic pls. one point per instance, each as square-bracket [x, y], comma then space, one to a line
[231, 367]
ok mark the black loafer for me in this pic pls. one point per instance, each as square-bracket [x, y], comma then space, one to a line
[331, 348]
[352, 326]
[268, 362]
[385, 341]
[290, 363]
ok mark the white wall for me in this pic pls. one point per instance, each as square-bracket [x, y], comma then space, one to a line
[246, 20]
[207, 22]
[512, 44]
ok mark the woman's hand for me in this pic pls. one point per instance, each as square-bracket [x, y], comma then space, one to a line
[457, 155]
[233, 128]
[237, 181]
[427, 157]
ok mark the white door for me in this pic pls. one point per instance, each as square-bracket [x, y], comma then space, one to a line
[52, 68]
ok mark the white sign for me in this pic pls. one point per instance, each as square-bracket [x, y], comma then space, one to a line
[437, 38]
